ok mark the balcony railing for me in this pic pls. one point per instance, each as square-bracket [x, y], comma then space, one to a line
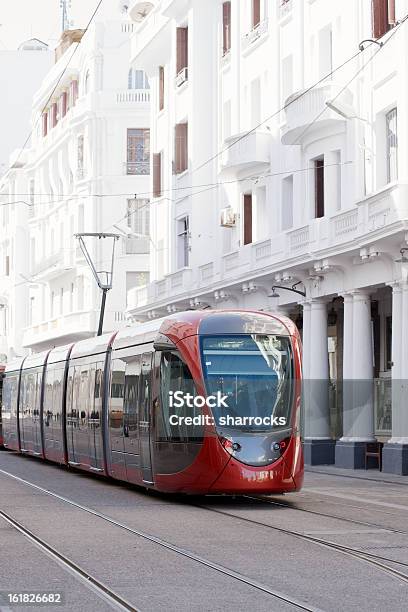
[44, 264]
[285, 7]
[133, 96]
[139, 167]
[258, 31]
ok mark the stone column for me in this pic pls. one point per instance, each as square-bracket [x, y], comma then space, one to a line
[318, 445]
[395, 451]
[358, 406]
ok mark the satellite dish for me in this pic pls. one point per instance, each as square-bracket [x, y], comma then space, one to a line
[139, 10]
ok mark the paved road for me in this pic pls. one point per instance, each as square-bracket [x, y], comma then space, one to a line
[251, 537]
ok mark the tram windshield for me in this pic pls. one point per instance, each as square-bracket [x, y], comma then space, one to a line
[253, 374]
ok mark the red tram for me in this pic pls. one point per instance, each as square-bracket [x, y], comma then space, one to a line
[108, 404]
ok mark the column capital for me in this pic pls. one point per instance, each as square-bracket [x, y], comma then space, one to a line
[396, 286]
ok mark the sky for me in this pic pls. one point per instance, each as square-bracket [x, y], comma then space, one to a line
[23, 19]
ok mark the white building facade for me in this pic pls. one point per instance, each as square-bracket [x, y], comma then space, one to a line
[87, 170]
[280, 156]
[89, 161]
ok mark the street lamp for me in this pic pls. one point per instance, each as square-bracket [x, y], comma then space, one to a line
[103, 277]
[274, 294]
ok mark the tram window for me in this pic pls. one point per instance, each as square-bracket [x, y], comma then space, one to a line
[255, 372]
[116, 394]
[132, 378]
[48, 398]
[175, 376]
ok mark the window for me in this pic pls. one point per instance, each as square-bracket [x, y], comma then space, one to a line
[247, 218]
[138, 216]
[319, 187]
[383, 16]
[256, 13]
[325, 52]
[157, 175]
[54, 114]
[71, 298]
[73, 92]
[44, 124]
[181, 148]
[182, 50]
[161, 88]
[138, 151]
[226, 27]
[61, 300]
[392, 145]
[80, 155]
[63, 104]
[255, 102]
[287, 202]
[52, 304]
[32, 191]
[227, 116]
[183, 240]
[87, 82]
[287, 77]
[175, 376]
[137, 79]
[7, 265]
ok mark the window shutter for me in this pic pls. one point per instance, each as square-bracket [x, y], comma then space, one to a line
[248, 218]
[44, 124]
[161, 88]
[226, 23]
[380, 17]
[256, 13]
[181, 147]
[182, 49]
[54, 114]
[74, 92]
[64, 104]
[157, 187]
[319, 188]
[391, 12]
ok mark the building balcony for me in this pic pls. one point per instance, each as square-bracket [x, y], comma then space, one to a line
[48, 267]
[129, 97]
[151, 43]
[307, 113]
[63, 329]
[139, 168]
[258, 32]
[244, 152]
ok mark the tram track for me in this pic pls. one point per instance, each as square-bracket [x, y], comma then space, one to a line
[325, 515]
[370, 558]
[102, 590]
[160, 542]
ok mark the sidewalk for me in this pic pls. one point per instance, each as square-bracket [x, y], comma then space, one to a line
[374, 475]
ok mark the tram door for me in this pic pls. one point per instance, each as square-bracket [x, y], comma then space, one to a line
[144, 417]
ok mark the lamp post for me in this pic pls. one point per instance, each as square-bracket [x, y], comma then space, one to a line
[103, 277]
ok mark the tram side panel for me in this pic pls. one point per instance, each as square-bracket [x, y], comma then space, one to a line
[53, 426]
[10, 410]
[84, 413]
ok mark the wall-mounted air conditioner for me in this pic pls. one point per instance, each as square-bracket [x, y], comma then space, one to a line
[228, 217]
[182, 77]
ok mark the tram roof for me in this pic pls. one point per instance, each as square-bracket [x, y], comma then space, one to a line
[59, 353]
[14, 365]
[35, 360]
